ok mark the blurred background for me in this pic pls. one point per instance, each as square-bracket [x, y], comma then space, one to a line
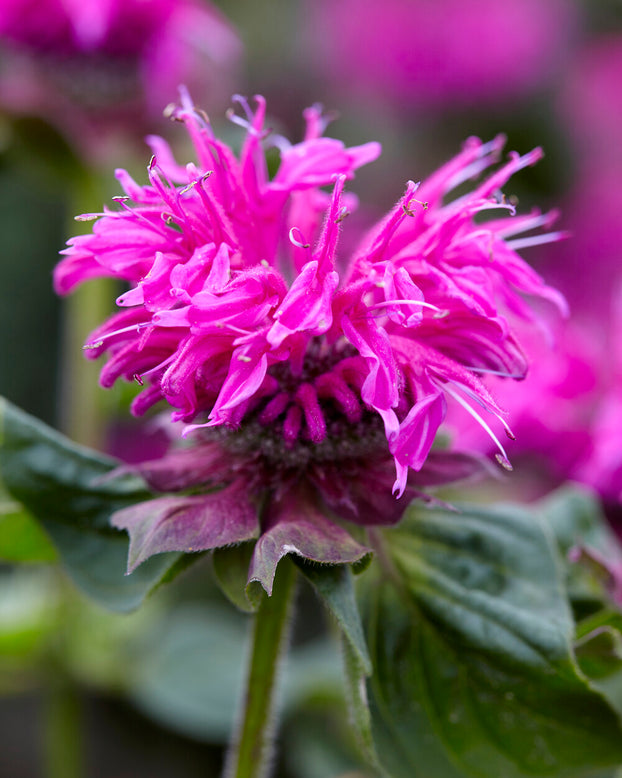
[81, 84]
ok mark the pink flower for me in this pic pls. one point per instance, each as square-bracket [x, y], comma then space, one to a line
[590, 103]
[587, 268]
[418, 53]
[296, 378]
[602, 466]
[93, 66]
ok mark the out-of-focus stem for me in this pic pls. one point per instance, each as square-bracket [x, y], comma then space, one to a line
[82, 415]
[82, 412]
[63, 755]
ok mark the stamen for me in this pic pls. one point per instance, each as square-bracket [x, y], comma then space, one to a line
[536, 240]
[132, 328]
[122, 200]
[388, 303]
[502, 456]
[249, 123]
[410, 211]
[516, 376]
[243, 102]
[488, 153]
[300, 243]
[476, 399]
[170, 111]
[239, 330]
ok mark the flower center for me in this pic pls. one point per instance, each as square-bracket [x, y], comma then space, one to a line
[311, 414]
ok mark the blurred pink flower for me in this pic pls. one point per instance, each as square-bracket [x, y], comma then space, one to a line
[94, 66]
[438, 52]
[602, 468]
[590, 103]
[588, 267]
[567, 413]
[299, 378]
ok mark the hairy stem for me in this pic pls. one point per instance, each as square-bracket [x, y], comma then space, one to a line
[250, 753]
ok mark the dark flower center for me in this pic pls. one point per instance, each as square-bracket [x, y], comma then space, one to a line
[344, 442]
[313, 415]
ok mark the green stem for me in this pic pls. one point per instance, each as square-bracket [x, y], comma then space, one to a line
[63, 755]
[82, 414]
[250, 752]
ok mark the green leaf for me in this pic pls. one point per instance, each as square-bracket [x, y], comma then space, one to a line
[575, 515]
[470, 636]
[358, 705]
[21, 538]
[335, 587]
[231, 565]
[97, 563]
[190, 674]
[599, 653]
[28, 613]
[61, 485]
[191, 670]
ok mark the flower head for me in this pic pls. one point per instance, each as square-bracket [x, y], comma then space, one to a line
[446, 53]
[291, 375]
[84, 63]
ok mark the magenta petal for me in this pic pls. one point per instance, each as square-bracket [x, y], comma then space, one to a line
[299, 528]
[307, 305]
[380, 388]
[187, 523]
[417, 432]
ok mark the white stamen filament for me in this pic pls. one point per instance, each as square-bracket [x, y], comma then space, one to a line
[536, 240]
[295, 241]
[503, 457]
[524, 225]
[239, 330]
[487, 156]
[422, 303]
[100, 341]
[516, 376]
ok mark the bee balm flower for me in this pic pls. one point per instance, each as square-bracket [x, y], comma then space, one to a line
[92, 66]
[415, 54]
[320, 390]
